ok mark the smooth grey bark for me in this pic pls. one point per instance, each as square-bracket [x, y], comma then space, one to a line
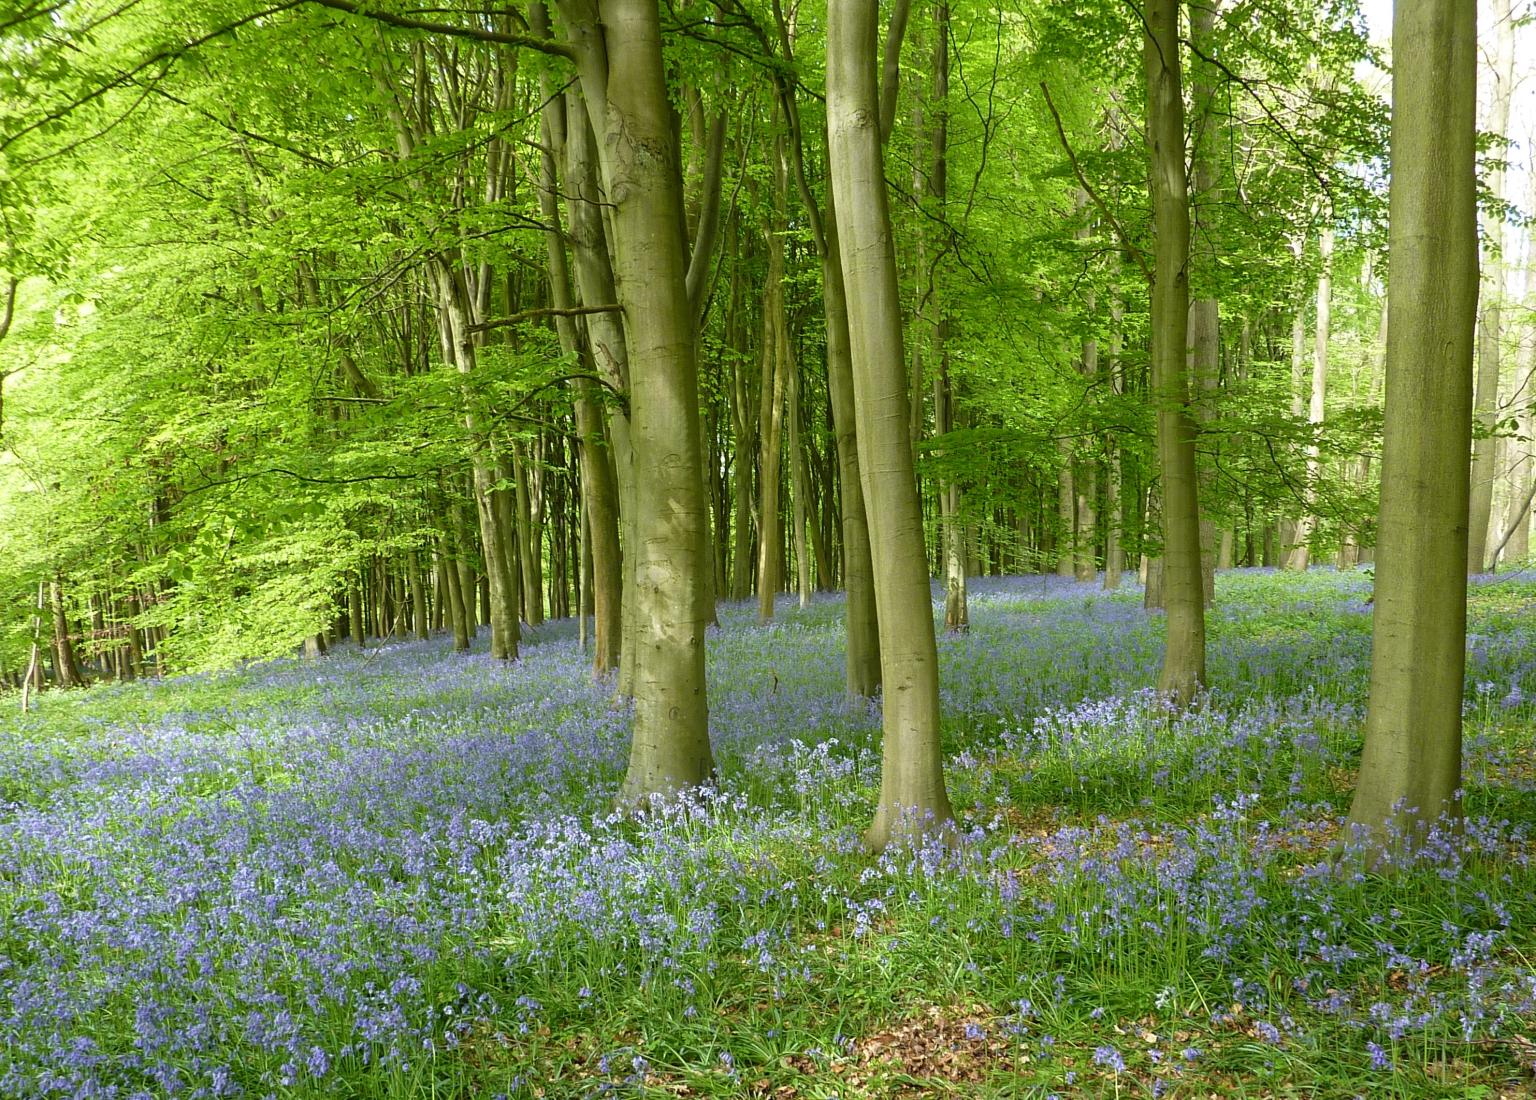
[1410, 772]
[606, 339]
[619, 61]
[1289, 525]
[957, 613]
[1301, 553]
[1491, 326]
[913, 799]
[770, 417]
[1114, 549]
[1183, 671]
[863, 650]
[599, 526]
[1204, 311]
[800, 482]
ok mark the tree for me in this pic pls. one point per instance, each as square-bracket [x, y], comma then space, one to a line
[1491, 326]
[619, 62]
[912, 794]
[1410, 772]
[1183, 671]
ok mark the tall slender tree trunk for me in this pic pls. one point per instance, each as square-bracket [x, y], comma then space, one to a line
[1301, 553]
[1114, 534]
[1183, 672]
[863, 652]
[605, 331]
[775, 353]
[1410, 772]
[619, 62]
[1289, 525]
[1491, 328]
[599, 525]
[912, 794]
[1204, 310]
[800, 483]
[957, 614]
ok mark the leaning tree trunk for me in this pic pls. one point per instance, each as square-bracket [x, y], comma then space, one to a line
[912, 795]
[618, 48]
[1410, 772]
[1183, 672]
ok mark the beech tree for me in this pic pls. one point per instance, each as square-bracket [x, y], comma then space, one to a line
[913, 798]
[1183, 672]
[1410, 773]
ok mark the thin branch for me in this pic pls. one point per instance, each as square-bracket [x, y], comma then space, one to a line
[1077, 170]
[543, 311]
[532, 42]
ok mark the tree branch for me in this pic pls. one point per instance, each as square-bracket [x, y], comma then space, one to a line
[1077, 170]
[532, 42]
[542, 311]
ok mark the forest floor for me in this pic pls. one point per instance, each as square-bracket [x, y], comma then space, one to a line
[393, 873]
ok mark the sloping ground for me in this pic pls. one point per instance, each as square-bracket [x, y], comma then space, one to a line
[392, 873]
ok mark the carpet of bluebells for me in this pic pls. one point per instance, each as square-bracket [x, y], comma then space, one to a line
[394, 873]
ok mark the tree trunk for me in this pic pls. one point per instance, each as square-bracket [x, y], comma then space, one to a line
[775, 353]
[1183, 672]
[863, 651]
[1301, 553]
[610, 352]
[1410, 772]
[912, 795]
[1205, 311]
[619, 62]
[1114, 536]
[1491, 330]
[800, 483]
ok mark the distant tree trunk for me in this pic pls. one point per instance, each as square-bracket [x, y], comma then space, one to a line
[66, 666]
[1114, 535]
[1288, 525]
[1521, 478]
[419, 617]
[800, 482]
[775, 354]
[1204, 310]
[1410, 772]
[454, 605]
[32, 680]
[957, 616]
[1183, 672]
[529, 551]
[355, 624]
[1066, 510]
[912, 794]
[619, 62]
[863, 650]
[606, 340]
[1300, 557]
[1491, 330]
[1085, 482]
